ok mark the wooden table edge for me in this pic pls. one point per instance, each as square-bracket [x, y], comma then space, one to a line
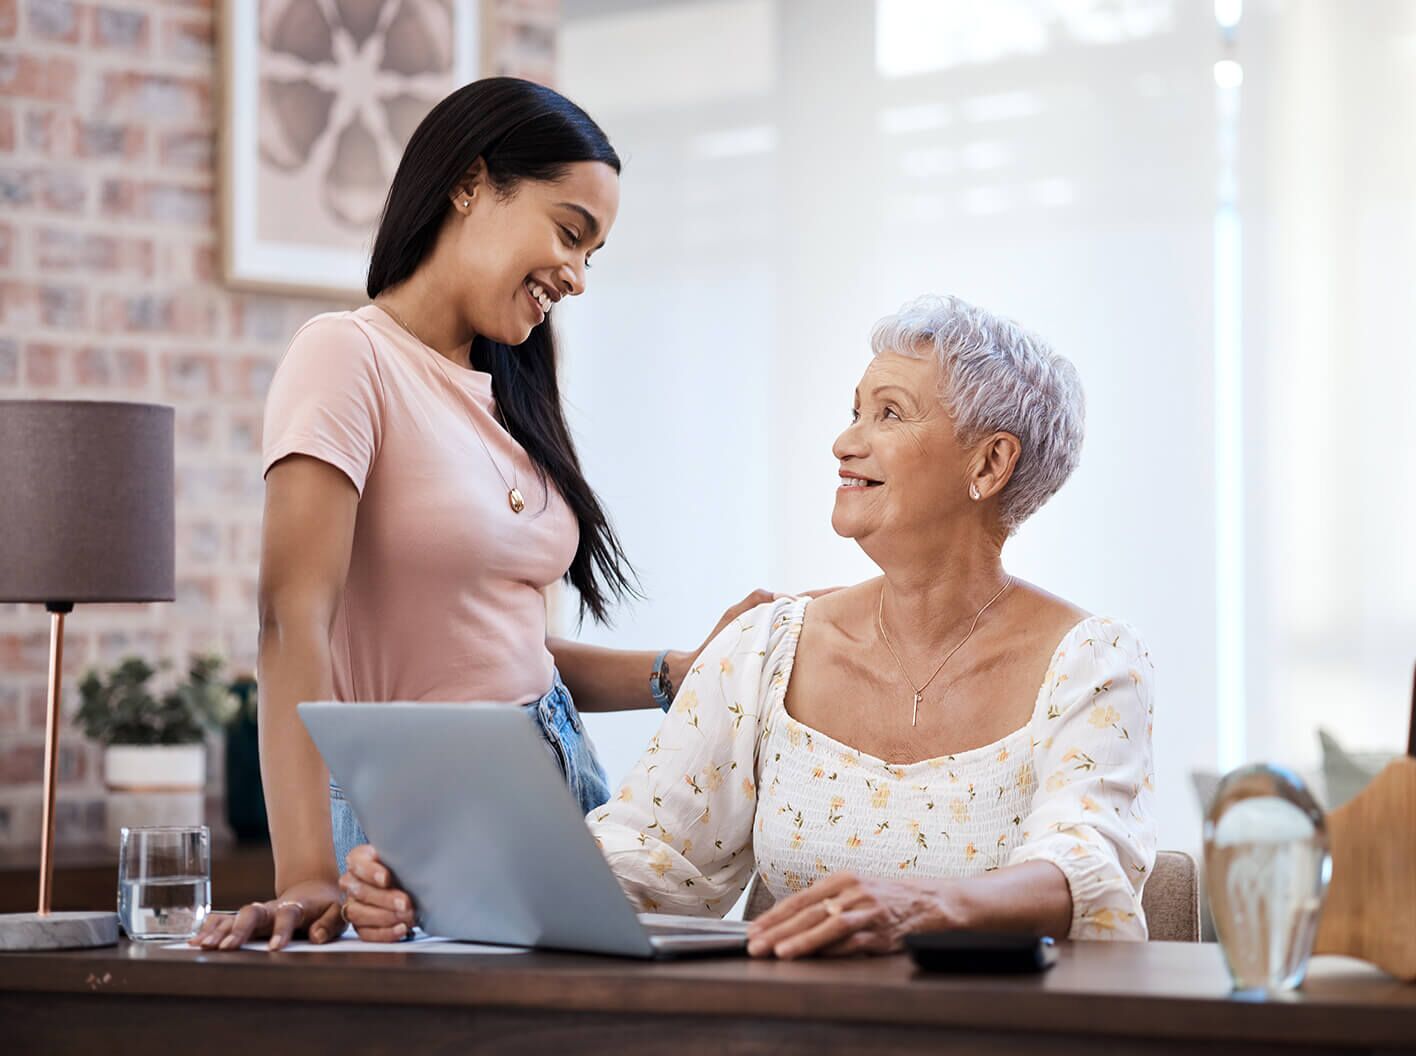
[577, 983]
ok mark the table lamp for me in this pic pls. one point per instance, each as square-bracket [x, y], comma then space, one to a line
[86, 515]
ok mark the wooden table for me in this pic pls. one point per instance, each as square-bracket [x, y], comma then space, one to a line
[1153, 997]
[87, 877]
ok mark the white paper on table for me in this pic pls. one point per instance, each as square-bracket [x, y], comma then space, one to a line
[349, 942]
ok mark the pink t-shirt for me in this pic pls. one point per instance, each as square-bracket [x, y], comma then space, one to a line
[443, 599]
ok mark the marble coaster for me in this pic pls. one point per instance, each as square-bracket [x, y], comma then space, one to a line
[57, 931]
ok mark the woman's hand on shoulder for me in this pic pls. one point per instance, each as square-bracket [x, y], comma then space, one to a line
[845, 915]
[747, 604]
[312, 906]
[756, 598]
[378, 909]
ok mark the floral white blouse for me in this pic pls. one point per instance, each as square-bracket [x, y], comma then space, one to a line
[731, 781]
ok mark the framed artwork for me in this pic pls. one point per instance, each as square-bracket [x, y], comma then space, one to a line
[319, 99]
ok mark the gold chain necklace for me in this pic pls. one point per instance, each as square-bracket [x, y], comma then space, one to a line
[513, 492]
[919, 690]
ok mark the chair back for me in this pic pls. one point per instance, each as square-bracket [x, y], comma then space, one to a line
[1171, 898]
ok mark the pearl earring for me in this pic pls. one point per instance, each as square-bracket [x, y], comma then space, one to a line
[973, 492]
[466, 202]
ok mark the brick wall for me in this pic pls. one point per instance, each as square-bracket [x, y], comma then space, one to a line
[109, 290]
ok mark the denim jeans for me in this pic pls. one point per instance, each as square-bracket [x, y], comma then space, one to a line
[559, 725]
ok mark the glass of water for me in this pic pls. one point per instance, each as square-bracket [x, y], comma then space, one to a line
[164, 882]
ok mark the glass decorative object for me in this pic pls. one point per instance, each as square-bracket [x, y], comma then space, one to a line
[1267, 868]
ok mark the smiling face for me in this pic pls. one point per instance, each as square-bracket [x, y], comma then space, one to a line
[513, 257]
[903, 472]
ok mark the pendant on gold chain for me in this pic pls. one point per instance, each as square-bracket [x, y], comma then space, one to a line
[513, 495]
[919, 690]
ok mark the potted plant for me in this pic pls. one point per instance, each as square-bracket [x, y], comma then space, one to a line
[154, 759]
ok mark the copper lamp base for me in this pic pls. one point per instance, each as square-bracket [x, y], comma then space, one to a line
[45, 930]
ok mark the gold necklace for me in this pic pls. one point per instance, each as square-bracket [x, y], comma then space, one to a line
[919, 690]
[513, 492]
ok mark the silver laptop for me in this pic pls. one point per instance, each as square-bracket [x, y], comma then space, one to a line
[468, 808]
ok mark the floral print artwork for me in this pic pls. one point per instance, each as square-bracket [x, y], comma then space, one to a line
[732, 784]
[343, 83]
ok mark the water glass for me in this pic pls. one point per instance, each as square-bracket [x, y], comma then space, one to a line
[1267, 868]
[164, 882]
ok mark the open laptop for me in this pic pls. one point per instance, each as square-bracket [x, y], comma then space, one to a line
[469, 810]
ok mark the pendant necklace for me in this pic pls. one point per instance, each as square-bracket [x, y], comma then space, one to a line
[919, 690]
[513, 492]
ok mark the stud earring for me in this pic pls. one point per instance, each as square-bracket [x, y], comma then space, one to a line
[974, 493]
[466, 202]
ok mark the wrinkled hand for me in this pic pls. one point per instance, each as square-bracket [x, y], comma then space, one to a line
[311, 905]
[844, 915]
[756, 598]
[379, 911]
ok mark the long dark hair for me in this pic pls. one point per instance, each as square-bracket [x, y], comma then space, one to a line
[521, 131]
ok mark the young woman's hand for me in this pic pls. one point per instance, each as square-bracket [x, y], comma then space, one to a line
[379, 911]
[312, 905]
[756, 598]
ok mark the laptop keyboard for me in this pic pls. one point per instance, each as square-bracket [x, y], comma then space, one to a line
[668, 924]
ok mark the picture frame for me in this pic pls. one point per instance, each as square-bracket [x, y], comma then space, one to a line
[317, 103]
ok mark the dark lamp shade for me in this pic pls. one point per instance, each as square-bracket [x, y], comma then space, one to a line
[86, 501]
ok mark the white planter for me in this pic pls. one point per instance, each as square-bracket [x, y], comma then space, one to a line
[160, 784]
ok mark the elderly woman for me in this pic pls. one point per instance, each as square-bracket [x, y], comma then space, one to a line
[941, 747]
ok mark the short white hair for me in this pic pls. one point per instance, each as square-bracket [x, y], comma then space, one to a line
[997, 377]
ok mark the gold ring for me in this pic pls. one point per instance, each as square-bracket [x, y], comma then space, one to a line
[344, 912]
[830, 906]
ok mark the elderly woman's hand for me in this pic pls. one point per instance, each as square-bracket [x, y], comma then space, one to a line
[846, 915]
[379, 911]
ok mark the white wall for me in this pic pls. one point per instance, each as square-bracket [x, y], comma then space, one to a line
[1335, 297]
[795, 169]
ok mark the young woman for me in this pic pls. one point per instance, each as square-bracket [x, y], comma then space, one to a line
[422, 488]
